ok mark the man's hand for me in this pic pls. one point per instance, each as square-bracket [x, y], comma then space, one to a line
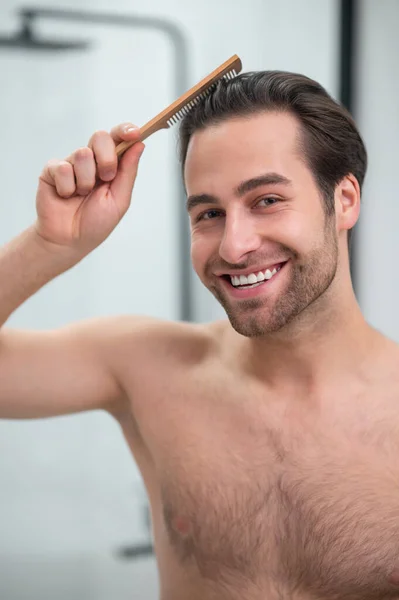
[81, 199]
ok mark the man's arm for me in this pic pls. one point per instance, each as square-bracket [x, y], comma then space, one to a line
[71, 369]
[68, 370]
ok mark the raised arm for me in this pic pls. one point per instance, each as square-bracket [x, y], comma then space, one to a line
[44, 373]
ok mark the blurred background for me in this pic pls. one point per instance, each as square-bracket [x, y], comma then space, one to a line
[73, 511]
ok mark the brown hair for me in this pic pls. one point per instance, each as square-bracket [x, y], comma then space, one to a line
[331, 143]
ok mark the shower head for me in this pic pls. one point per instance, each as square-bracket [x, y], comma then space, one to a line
[25, 39]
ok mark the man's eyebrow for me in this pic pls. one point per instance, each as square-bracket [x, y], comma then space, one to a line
[267, 179]
[243, 188]
[198, 199]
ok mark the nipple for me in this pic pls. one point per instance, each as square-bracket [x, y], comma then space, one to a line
[182, 525]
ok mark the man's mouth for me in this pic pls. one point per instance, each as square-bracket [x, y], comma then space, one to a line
[252, 280]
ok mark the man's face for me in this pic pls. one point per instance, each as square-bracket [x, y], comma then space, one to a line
[253, 206]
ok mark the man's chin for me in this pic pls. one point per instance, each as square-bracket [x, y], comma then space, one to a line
[253, 318]
[249, 325]
[256, 324]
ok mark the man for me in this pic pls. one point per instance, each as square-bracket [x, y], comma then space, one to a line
[268, 442]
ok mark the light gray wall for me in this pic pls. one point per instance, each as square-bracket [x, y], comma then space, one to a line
[70, 494]
[378, 118]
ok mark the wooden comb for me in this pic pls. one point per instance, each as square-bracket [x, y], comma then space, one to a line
[176, 111]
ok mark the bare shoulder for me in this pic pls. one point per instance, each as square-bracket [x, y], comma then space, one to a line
[392, 357]
[384, 369]
[186, 340]
[390, 349]
[147, 354]
[136, 343]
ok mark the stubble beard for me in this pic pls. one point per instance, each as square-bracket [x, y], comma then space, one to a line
[255, 317]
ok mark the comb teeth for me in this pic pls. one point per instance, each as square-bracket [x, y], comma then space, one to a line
[178, 116]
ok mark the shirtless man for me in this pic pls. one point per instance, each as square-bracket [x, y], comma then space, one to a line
[268, 442]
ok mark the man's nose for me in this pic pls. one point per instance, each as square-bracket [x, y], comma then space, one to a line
[239, 238]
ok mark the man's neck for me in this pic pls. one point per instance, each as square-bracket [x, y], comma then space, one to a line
[313, 351]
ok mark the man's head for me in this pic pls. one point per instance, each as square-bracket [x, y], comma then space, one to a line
[273, 169]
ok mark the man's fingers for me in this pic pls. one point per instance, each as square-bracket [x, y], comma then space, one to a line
[125, 132]
[77, 173]
[85, 170]
[104, 145]
[60, 174]
[122, 186]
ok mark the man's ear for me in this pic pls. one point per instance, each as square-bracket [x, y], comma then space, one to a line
[347, 202]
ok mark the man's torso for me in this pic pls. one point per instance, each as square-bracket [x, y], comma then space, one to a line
[261, 497]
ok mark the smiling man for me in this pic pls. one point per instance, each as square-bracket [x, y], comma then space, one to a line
[269, 441]
[269, 222]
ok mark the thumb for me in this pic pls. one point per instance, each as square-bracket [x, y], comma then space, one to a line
[122, 184]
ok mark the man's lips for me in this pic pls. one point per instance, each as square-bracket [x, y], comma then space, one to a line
[248, 271]
[253, 290]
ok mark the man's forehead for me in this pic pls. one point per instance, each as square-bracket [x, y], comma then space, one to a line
[241, 148]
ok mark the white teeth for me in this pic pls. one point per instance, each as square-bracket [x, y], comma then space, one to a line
[253, 278]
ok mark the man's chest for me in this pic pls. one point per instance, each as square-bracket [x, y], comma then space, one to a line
[309, 500]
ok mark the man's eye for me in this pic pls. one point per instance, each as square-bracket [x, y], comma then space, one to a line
[208, 215]
[269, 200]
